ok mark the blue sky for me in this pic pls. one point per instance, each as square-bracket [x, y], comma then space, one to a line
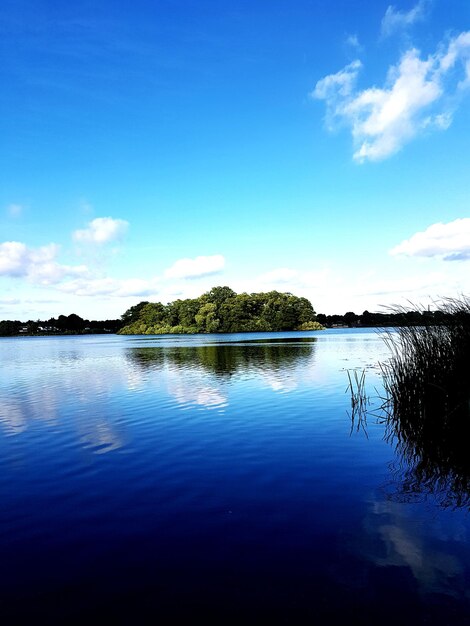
[152, 150]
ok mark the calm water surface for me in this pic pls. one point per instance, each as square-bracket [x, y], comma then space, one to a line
[215, 478]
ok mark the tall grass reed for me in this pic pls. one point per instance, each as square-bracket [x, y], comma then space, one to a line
[359, 399]
[427, 399]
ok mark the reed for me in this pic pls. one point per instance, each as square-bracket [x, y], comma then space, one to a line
[359, 399]
[428, 375]
[427, 400]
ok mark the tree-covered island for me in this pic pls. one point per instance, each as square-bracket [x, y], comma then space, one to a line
[221, 310]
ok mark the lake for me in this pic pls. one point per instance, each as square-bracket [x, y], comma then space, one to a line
[216, 479]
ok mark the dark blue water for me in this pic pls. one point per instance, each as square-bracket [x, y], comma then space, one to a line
[213, 479]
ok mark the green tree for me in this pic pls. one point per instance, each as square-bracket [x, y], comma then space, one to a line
[219, 295]
[279, 311]
[350, 318]
[153, 314]
[9, 328]
[206, 318]
[132, 314]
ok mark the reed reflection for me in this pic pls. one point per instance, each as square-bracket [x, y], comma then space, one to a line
[432, 461]
[430, 442]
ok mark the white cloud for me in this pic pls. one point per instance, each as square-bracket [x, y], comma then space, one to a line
[385, 119]
[37, 264]
[334, 87]
[101, 230]
[416, 96]
[9, 301]
[40, 267]
[336, 287]
[394, 20]
[450, 241]
[458, 49]
[352, 41]
[14, 258]
[196, 268]
[111, 287]
[14, 210]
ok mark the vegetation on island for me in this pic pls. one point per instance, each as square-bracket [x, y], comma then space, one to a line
[221, 310]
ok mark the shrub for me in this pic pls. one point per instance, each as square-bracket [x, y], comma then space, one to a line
[310, 326]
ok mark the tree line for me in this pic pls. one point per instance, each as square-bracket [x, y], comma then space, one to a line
[63, 325]
[220, 310]
[383, 320]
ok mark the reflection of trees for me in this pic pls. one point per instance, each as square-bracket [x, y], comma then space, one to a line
[226, 359]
